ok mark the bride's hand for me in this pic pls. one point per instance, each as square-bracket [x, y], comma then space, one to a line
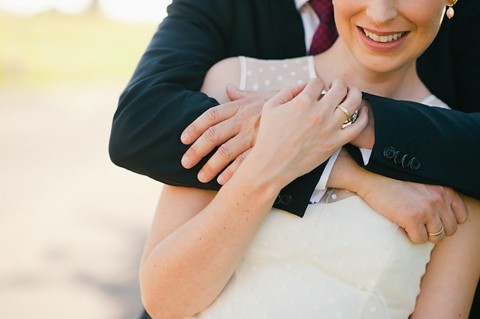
[301, 127]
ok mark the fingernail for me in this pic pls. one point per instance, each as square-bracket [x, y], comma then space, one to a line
[201, 177]
[235, 88]
[220, 180]
[185, 161]
[184, 138]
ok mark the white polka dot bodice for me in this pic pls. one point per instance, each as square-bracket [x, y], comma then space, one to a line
[266, 75]
[341, 260]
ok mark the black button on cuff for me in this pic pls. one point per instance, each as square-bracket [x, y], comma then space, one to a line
[415, 164]
[284, 199]
[389, 152]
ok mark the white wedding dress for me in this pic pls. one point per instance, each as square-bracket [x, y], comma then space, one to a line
[341, 260]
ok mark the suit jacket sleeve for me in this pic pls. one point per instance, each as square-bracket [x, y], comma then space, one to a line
[152, 109]
[426, 144]
[163, 96]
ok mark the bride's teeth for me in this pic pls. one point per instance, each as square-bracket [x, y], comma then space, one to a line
[384, 38]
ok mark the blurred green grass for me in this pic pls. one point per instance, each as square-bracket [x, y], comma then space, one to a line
[52, 48]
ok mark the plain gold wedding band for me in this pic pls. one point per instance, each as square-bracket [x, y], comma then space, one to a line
[344, 110]
[438, 233]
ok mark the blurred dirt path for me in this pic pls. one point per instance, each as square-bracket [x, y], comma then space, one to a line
[72, 225]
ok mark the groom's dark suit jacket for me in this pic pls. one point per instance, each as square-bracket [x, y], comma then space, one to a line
[162, 98]
[413, 142]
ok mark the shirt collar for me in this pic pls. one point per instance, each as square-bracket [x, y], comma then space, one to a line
[300, 3]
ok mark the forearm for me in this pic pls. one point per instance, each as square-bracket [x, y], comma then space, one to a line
[162, 97]
[187, 270]
[145, 137]
[447, 290]
[443, 142]
[417, 208]
[346, 174]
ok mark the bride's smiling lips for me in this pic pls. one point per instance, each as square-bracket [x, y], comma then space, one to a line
[382, 41]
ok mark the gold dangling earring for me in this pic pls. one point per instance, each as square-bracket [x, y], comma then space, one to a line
[450, 11]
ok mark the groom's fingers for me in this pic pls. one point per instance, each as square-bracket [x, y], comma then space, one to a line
[232, 168]
[417, 233]
[212, 137]
[223, 156]
[210, 117]
[230, 126]
[459, 208]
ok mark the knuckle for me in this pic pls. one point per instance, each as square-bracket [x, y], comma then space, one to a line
[416, 238]
[339, 83]
[207, 171]
[211, 134]
[302, 101]
[451, 230]
[211, 114]
[417, 215]
[224, 152]
[426, 209]
[353, 99]
[244, 102]
[192, 128]
[355, 92]
[240, 158]
[438, 194]
[192, 150]
[249, 102]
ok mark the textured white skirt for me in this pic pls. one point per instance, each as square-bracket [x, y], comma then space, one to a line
[341, 260]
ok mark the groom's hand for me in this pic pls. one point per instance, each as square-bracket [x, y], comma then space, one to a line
[231, 126]
[419, 209]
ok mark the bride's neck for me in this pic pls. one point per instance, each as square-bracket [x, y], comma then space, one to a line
[338, 62]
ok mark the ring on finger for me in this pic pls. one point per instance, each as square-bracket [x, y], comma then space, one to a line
[350, 120]
[438, 233]
[344, 110]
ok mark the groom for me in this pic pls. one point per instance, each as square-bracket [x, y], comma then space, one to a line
[162, 98]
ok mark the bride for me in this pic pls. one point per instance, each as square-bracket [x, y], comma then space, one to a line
[228, 254]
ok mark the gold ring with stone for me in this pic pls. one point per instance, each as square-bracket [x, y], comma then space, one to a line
[350, 120]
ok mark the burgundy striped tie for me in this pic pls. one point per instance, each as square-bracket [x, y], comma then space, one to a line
[326, 33]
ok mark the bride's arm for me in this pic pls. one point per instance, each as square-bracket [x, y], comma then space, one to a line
[196, 241]
[198, 238]
[452, 275]
[219, 76]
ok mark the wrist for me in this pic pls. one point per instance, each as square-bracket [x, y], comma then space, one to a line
[346, 174]
[266, 179]
[366, 139]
